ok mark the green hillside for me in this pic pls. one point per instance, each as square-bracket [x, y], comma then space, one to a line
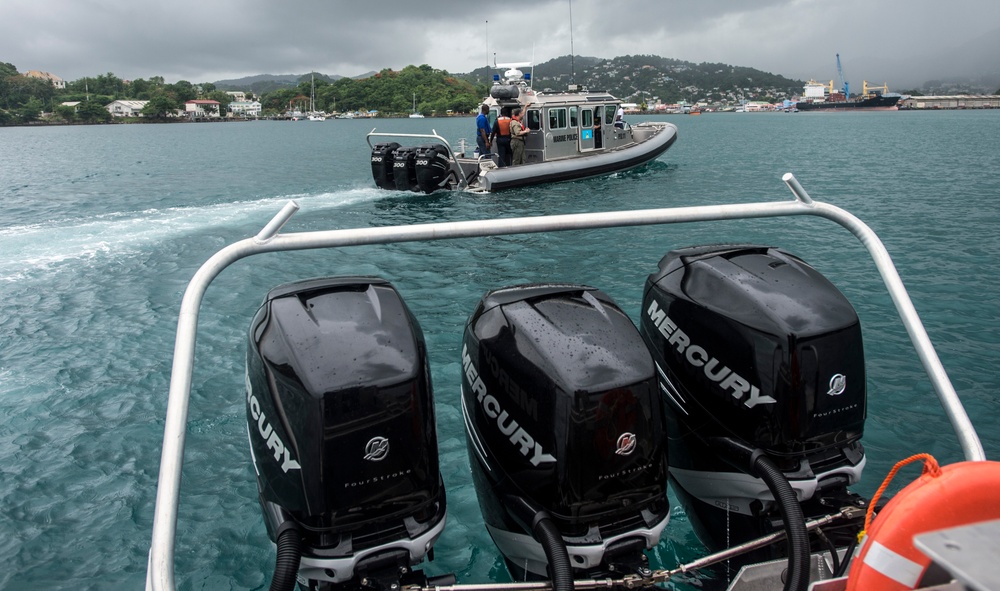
[648, 78]
[642, 79]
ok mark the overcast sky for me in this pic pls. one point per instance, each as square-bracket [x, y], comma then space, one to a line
[209, 40]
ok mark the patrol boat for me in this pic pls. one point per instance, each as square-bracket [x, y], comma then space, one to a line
[573, 135]
[724, 388]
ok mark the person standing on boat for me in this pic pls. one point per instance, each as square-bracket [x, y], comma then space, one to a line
[501, 133]
[483, 131]
[517, 133]
[620, 118]
[598, 136]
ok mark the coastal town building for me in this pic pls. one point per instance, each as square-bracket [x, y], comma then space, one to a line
[55, 80]
[125, 108]
[753, 106]
[237, 95]
[202, 108]
[245, 109]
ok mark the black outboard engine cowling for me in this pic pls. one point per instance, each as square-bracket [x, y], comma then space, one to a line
[432, 167]
[757, 353]
[563, 418]
[341, 425]
[404, 171]
[382, 165]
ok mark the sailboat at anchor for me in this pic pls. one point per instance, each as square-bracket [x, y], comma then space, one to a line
[313, 114]
[415, 114]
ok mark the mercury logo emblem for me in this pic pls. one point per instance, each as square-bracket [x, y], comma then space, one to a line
[508, 428]
[377, 449]
[626, 444]
[267, 432]
[699, 357]
[838, 383]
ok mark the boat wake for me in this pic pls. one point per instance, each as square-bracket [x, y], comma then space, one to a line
[46, 247]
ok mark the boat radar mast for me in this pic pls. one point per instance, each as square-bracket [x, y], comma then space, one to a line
[513, 84]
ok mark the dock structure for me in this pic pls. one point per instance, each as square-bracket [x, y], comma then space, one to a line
[958, 101]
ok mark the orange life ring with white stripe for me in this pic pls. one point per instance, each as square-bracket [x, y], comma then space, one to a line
[958, 494]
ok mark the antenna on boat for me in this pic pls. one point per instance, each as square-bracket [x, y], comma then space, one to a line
[572, 67]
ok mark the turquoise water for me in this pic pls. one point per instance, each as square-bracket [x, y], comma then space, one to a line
[103, 227]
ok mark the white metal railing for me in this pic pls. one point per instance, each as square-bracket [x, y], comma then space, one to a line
[160, 573]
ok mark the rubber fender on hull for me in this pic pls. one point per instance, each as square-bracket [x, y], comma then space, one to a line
[955, 495]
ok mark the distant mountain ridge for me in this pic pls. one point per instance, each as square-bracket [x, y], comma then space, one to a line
[638, 78]
[651, 78]
[262, 83]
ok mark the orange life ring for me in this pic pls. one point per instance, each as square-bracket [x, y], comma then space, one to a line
[958, 494]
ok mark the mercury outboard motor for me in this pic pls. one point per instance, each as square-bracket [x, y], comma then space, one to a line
[761, 361]
[432, 167]
[565, 432]
[382, 164]
[340, 418]
[404, 173]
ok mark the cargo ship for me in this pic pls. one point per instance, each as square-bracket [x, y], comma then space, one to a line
[822, 97]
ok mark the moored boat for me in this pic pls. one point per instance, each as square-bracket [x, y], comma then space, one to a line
[314, 115]
[822, 97]
[572, 135]
[415, 114]
[564, 412]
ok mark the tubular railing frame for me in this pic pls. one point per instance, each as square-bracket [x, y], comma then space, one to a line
[160, 572]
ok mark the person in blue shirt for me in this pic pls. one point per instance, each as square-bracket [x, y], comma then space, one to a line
[483, 131]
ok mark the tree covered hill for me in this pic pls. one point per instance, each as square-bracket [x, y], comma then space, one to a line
[642, 79]
[651, 78]
[264, 83]
[390, 92]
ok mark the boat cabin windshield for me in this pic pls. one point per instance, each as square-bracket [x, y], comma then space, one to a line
[533, 119]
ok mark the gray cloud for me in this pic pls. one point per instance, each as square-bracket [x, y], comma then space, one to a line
[206, 41]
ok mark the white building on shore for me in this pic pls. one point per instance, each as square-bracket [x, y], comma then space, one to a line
[202, 108]
[121, 108]
[245, 109]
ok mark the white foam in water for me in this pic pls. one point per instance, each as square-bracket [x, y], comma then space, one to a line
[36, 248]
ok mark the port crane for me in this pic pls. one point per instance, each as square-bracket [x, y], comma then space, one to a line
[840, 72]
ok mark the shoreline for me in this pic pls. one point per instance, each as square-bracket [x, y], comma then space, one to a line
[164, 121]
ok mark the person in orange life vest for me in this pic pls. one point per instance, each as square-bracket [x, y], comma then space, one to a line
[517, 133]
[501, 133]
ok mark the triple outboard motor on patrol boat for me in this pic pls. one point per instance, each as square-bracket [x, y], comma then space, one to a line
[404, 171]
[341, 425]
[565, 432]
[382, 165]
[761, 362]
[432, 167]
